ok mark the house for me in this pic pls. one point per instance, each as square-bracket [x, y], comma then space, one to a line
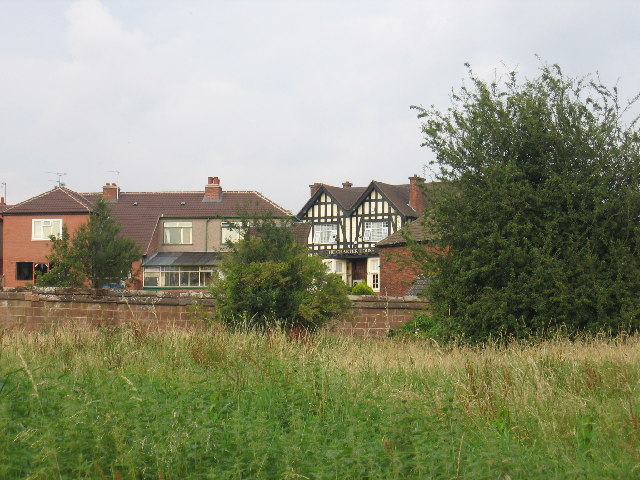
[3, 207]
[399, 274]
[347, 222]
[182, 234]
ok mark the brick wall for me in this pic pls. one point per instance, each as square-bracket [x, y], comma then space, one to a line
[42, 306]
[397, 271]
[18, 246]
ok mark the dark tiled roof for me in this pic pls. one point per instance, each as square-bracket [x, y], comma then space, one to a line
[138, 212]
[57, 200]
[301, 232]
[182, 258]
[346, 197]
[415, 230]
[398, 195]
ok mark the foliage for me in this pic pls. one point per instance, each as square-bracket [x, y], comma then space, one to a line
[122, 402]
[67, 269]
[541, 212]
[268, 278]
[94, 254]
[361, 288]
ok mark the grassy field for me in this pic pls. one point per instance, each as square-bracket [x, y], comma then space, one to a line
[120, 403]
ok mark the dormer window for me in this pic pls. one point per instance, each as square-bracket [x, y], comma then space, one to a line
[177, 233]
[325, 233]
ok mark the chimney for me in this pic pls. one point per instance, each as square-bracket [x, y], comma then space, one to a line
[314, 188]
[213, 190]
[416, 194]
[2, 202]
[347, 184]
[111, 192]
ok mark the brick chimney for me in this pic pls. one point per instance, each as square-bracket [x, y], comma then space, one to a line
[314, 188]
[212, 190]
[347, 184]
[2, 202]
[416, 194]
[111, 192]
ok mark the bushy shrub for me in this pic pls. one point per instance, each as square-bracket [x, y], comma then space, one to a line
[268, 279]
[361, 288]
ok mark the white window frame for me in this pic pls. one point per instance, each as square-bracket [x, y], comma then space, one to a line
[182, 274]
[374, 231]
[325, 233]
[373, 273]
[38, 225]
[230, 231]
[339, 267]
[186, 233]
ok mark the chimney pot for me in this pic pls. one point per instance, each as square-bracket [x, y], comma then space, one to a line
[347, 184]
[213, 190]
[314, 188]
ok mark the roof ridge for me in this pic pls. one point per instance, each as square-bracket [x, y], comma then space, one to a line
[30, 199]
[69, 193]
[268, 201]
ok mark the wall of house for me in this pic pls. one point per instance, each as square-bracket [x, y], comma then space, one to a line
[397, 272]
[38, 308]
[19, 247]
[206, 236]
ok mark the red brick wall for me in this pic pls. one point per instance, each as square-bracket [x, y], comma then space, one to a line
[397, 272]
[42, 306]
[18, 246]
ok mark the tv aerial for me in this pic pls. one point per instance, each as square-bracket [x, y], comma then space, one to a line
[117, 172]
[59, 174]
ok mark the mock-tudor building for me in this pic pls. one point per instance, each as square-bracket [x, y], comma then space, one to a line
[347, 222]
[182, 234]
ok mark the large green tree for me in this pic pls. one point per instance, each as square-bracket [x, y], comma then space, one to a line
[538, 227]
[95, 254]
[268, 279]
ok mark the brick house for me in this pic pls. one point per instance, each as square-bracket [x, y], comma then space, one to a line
[181, 234]
[399, 275]
[348, 222]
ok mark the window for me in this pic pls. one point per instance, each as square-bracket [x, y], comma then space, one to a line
[184, 277]
[177, 233]
[373, 273]
[375, 231]
[230, 232]
[42, 229]
[339, 267]
[325, 233]
[24, 270]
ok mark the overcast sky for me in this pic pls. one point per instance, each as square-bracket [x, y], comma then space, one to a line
[268, 95]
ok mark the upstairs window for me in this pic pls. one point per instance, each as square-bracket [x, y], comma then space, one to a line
[325, 233]
[177, 233]
[42, 229]
[375, 231]
[230, 232]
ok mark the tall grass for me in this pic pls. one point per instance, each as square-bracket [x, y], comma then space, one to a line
[124, 403]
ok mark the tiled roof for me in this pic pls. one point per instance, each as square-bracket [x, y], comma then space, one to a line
[301, 232]
[415, 230]
[398, 195]
[57, 200]
[346, 197]
[138, 212]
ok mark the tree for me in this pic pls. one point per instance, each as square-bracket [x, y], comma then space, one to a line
[95, 254]
[539, 217]
[269, 279]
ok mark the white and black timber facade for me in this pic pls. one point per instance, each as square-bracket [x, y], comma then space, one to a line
[347, 222]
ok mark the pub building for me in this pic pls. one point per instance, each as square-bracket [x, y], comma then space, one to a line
[346, 223]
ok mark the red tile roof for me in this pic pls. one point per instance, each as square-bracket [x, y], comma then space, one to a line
[138, 212]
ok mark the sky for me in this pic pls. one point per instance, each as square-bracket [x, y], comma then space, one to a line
[272, 96]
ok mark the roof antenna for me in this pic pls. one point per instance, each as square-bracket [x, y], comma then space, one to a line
[4, 185]
[59, 174]
[117, 172]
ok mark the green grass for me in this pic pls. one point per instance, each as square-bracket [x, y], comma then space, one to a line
[123, 403]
